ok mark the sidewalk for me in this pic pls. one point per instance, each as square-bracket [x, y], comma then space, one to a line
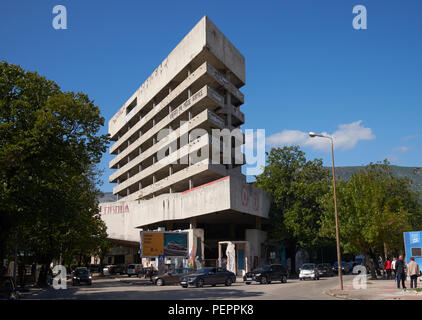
[376, 290]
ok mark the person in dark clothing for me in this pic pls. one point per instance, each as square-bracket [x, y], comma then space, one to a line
[401, 273]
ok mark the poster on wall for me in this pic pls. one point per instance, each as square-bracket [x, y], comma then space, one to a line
[175, 244]
[152, 244]
[169, 244]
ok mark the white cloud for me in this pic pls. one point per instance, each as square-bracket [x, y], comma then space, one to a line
[345, 138]
[401, 149]
[411, 137]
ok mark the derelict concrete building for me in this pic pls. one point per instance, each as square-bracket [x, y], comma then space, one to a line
[166, 172]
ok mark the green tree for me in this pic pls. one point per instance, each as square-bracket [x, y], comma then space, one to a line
[374, 209]
[49, 148]
[295, 185]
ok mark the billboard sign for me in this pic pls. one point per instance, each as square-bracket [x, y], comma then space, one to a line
[167, 243]
[413, 246]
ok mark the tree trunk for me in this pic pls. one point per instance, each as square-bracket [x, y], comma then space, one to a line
[375, 260]
[292, 256]
[42, 278]
[370, 264]
[385, 252]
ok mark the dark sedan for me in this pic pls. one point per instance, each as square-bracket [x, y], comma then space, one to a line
[266, 274]
[325, 270]
[81, 275]
[208, 276]
[172, 277]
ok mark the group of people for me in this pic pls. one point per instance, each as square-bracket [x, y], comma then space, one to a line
[400, 270]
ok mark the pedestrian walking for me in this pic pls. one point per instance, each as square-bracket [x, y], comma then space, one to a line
[393, 267]
[401, 272]
[387, 268]
[414, 272]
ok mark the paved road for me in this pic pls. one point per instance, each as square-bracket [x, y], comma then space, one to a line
[121, 287]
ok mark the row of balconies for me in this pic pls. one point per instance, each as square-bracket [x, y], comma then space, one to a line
[206, 119]
[206, 98]
[206, 73]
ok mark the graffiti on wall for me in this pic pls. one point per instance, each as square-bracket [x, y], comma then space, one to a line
[250, 198]
[112, 209]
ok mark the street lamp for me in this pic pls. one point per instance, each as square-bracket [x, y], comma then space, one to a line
[340, 278]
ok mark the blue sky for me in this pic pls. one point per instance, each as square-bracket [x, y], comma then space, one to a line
[307, 69]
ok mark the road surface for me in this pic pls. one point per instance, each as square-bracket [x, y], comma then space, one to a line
[122, 287]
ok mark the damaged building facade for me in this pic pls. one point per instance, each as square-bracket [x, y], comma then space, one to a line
[165, 170]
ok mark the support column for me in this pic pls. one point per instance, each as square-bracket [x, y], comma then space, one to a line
[192, 223]
[258, 224]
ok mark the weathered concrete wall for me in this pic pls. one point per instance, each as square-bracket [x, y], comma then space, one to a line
[205, 33]
[224, 50]
[249, 199]
[256, 238]
[123, 217]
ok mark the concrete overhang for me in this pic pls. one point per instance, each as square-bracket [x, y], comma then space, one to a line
[227, 199]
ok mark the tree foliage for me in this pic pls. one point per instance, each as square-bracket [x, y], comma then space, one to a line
[295, 185]
[374, 209]
[49, 147]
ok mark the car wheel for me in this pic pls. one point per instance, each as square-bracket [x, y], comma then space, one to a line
[283, 279]
[129, 275]
[159, 282]
[264, 280]
[247, 282]
[90, 283]
[228, 282]
[200, 283]
[185, 286]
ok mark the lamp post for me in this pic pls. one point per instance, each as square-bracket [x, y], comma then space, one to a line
[340, 278]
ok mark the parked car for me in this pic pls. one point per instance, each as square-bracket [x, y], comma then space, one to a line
[114, 269]
[267, 274]
[172, 277]
[8, 289]
[120, 269]
[325, 270]
[149, 272]
[208, 276]
[345, 268]
[308, 271]
[81, 275]
[134, 269]
[108, 269]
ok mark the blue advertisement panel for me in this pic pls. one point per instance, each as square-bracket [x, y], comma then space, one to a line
[413, 246]
[176, 244]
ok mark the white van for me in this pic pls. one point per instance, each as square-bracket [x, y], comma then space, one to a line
[134, 269]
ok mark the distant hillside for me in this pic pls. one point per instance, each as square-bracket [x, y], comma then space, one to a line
[107, 197]
[345, 172]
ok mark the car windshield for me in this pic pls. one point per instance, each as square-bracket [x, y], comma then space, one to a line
[131, 266]
[81, 271]
[308, 267]
[264, 268]
[203, 270]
